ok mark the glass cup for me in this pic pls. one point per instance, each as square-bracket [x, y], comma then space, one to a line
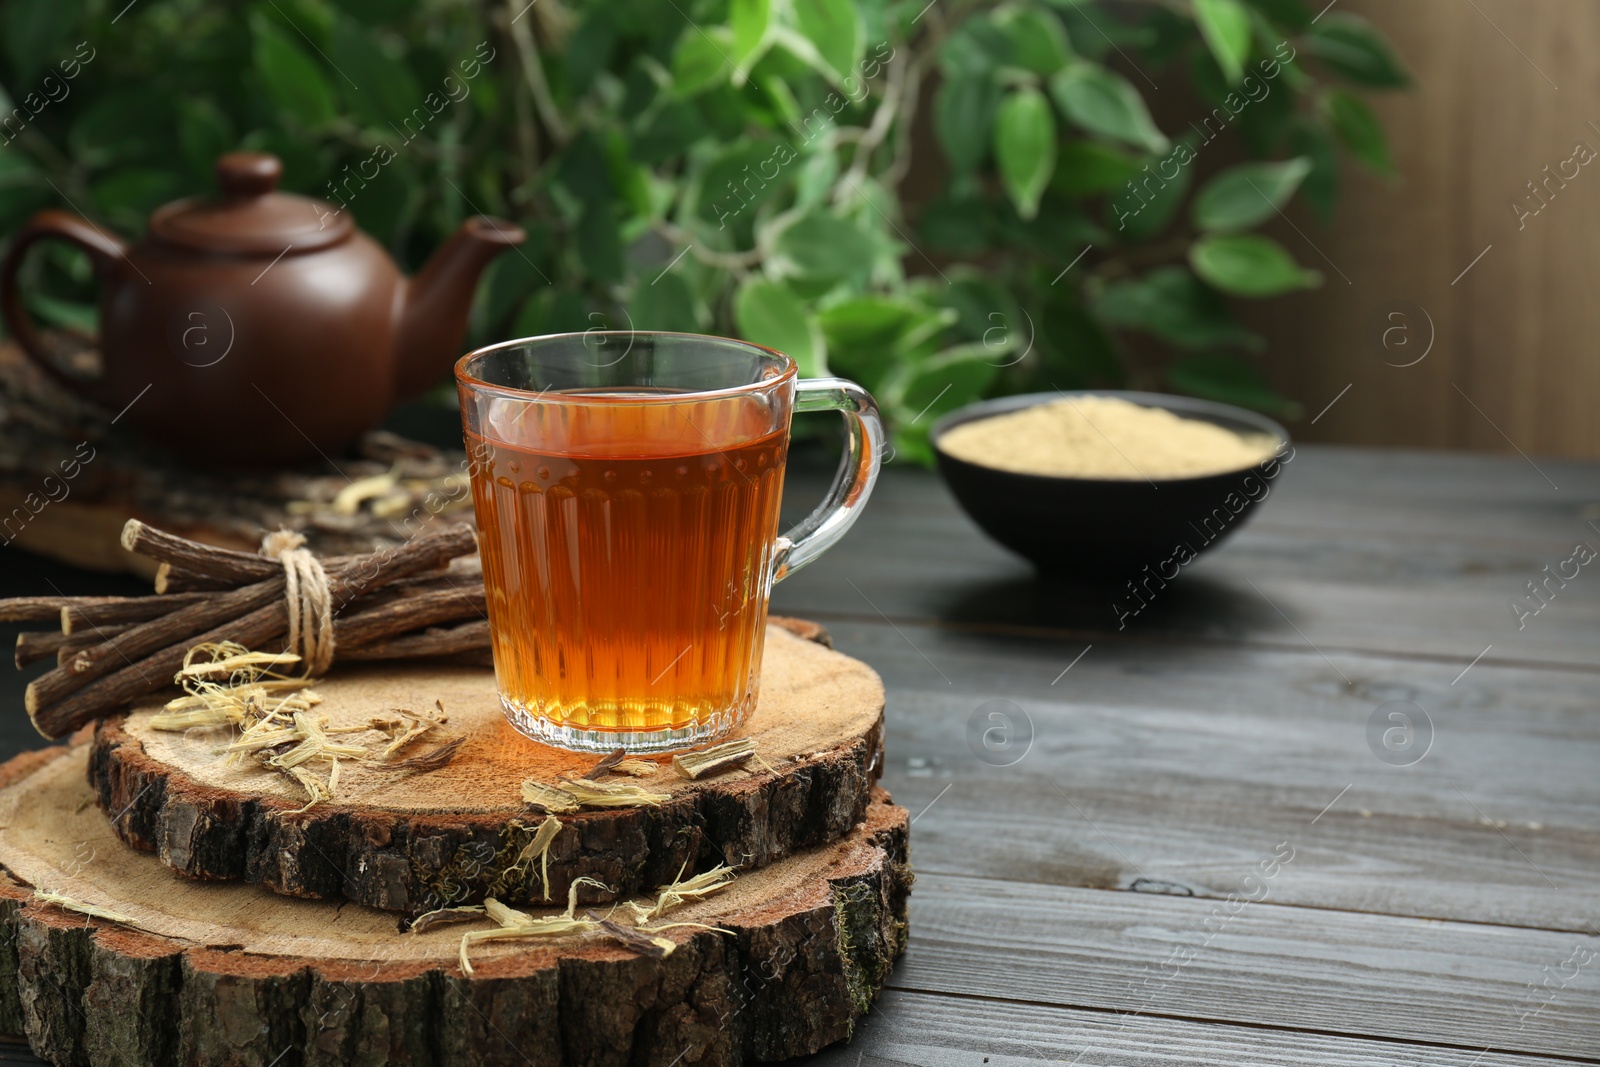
[627, 488]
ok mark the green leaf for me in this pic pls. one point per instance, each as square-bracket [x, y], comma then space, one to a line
[600, 241]
[1025, 147]
[1076, 349]
[768, 313]
[824, 247]
[1359, 130]
[1267, 120]
[816, 177]
[556, 311]
[1106, 103]
[1225, 26]
[1158, 191]
[702, 60]
[585, 172]
[742, 176]
[391, 198]
[1247, 195]
[127, 195]
[23, 189]
[1321, 187]
[1038, 43]
[589, 49]
[1172, 304]
[1059, 230]
[1249, 265]
[834, 27]
[977, 47]
[963, 225]
[378, 12]
[868, 336]
[952, 379]
[664, 304]
[985, 311]
[204, 133]
[132, 123]
[670, 131]
[963, 114]
[1084, 168]
[293, 79]
[750, 20]
[384, 92]
[1230, 379]
[1292, 15]
[512, 280]
[33, 31]
[1352, 47]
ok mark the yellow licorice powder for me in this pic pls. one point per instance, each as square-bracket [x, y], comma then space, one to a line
[1104, 437]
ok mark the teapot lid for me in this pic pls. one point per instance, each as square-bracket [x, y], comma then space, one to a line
[250, 216]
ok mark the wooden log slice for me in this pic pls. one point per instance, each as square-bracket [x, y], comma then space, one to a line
[226, 974]
[413, 842]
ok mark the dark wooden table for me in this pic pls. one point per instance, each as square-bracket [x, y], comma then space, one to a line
[1205, 838]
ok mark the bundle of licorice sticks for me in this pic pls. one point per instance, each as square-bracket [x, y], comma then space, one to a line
[423, 597]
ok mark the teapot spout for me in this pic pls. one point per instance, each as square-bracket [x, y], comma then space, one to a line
[436, 302]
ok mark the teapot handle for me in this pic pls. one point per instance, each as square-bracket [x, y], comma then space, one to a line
[103, 249]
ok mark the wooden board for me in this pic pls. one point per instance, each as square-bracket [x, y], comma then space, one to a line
[226, 973]
[1180, 765]
[414, 842]
[1354, 551]
[1252, 961]
[933, 1030]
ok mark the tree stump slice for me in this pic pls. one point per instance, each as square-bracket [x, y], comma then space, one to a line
[227, 974]
[412, 842]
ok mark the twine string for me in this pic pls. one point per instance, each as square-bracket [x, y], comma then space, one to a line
[307, 597]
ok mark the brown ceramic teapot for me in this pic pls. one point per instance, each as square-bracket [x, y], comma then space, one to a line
[258, 326]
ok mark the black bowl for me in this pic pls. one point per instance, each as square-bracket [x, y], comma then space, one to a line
[1104, 527]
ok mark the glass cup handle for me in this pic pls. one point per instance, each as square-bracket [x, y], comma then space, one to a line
[858, 470]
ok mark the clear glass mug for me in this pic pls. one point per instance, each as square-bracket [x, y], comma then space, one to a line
[627, 488]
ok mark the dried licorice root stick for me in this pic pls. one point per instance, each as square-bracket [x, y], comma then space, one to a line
[127, 647]
[239, 568]
[37, 645]
[409, 613]
[49, 608]
[470, 637]
[143, 658]
[88, 614]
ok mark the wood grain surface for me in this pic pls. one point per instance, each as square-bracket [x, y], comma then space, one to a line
[1437, 913]
[778, 964]
[928, 1030]
[414, 842]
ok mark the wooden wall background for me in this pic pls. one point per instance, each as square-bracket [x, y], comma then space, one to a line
[1503, 87]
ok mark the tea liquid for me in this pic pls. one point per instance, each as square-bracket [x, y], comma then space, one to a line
[626, 555]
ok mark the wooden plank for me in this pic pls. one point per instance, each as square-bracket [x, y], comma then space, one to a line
[1182, 764]
[1421, 568]
[1254, 962]
[928, 1030]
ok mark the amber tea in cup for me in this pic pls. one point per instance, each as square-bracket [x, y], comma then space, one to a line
[627, 488]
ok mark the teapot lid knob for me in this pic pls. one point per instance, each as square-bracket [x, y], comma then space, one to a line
[248, 173]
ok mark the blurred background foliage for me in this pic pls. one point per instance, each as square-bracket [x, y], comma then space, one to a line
[941, 200]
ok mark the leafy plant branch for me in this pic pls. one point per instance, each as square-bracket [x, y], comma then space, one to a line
[746, 166]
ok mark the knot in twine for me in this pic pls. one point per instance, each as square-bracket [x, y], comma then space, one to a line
[307, 597]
